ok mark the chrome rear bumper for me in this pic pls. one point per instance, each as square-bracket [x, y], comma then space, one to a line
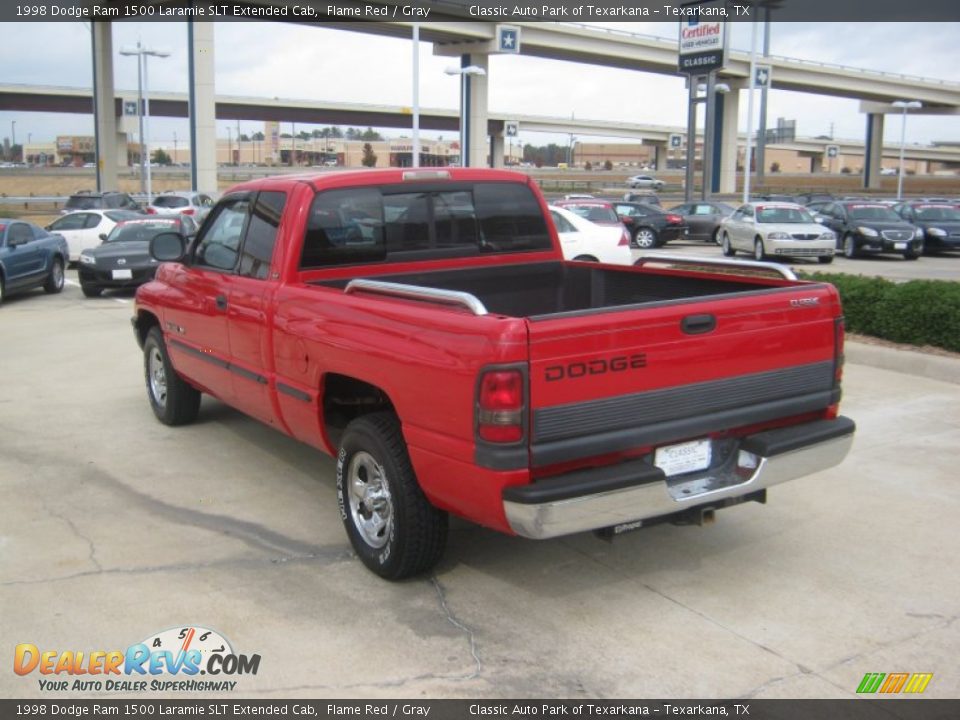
[637, 491]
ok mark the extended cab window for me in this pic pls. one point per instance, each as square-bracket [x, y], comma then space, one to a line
[413, 222]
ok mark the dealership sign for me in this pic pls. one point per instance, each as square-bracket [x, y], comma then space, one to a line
[703, 46]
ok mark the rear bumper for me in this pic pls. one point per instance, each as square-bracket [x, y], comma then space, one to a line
[638, 491]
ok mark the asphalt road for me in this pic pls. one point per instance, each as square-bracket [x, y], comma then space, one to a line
[115, 527]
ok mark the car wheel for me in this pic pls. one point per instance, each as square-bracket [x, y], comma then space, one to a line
[849, 247]
[916, 252]
[758, 252]
[716, 236]
[825, 259]
[645, 238]
[391, 524]
[91, 291]
[726, 246]
[173, 400]
[2, 289]
[585, 258]
[54, 283]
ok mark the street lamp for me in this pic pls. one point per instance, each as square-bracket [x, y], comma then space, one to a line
[464, 73]
[904, 105]
[143, 99]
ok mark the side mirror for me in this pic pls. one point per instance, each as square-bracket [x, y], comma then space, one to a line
[103, 237]
[168, 247]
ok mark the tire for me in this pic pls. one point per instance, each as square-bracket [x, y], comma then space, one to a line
[645, 238]
[54, 283]
[392, 526]
[3, 289]
[849, 247]
[825, 259]
[716, 237]
[726, 246]
[172, 399]
[91, 291]
[758, 252]
[916, 252]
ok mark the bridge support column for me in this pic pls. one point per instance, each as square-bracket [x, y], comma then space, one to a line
[725, 140]
[104, 106]
[474, 94]
[203, 110]
[496, 151]
[660, 156]
[873, 151]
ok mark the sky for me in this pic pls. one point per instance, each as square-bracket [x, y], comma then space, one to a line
[316, 63]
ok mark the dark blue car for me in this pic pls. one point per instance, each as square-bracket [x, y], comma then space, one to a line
[30, 257]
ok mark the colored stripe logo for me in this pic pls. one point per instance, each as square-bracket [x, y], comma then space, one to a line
[893, 683]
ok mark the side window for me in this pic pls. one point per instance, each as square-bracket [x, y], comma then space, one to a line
[219, 246]
[262, 234]
[74, 221]
[92, 220]
[704, 210]
[747, 212]
[563, 225]
[345, 227]
[19, 233]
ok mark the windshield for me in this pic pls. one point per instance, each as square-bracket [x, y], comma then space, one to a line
[596, 213]
[170, 201]
[873, 212]
[937, 212]
[140, 231]
[82, 202]
[783, 215]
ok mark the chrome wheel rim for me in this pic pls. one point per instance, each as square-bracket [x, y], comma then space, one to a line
[57, 275]
[157, 376]
[726, 243]
[644, 239]
[848, 247]
[371, 506]
[758, 250]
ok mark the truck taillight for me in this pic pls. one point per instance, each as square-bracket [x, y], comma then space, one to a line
[624, 239]
[500, 405]
[839, 332]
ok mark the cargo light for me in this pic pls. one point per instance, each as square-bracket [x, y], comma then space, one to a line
[500, 405]
[426, 175]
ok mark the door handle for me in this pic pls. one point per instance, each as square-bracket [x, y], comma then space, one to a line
[221, 302]
[698, 324]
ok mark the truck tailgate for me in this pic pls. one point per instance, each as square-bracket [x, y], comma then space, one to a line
[630, 378]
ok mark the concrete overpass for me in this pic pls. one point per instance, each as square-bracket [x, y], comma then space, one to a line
[474, 41]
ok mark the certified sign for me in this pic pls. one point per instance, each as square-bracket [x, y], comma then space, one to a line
[703, 46]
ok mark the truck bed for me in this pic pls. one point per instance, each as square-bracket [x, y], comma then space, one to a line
[552, 289]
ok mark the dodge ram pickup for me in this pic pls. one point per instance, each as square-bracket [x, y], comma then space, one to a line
[422, 327]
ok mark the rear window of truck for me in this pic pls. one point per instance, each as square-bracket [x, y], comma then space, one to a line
[414, 222]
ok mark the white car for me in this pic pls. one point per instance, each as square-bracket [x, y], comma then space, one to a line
[644, 181]
[175, 202]
[581, 239]
[85, 229]
[776, 229]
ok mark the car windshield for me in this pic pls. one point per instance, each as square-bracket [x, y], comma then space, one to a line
[595, 213]
[83, 202]
[140, 231]
[937, 212]
[783, 215]
[170, 201]
[873, 212]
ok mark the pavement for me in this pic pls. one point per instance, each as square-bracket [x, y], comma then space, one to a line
[115, 528]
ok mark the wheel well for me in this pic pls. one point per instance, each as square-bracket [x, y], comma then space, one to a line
[585, 258]
[145, 321]
[345, 399]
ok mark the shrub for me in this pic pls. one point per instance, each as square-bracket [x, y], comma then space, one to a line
[918, 312]
[775, 167]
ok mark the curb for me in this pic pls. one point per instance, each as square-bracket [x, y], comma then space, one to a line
[935, 367]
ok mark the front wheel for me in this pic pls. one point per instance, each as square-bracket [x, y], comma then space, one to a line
[825, 259]
[849, 247]
[54, 283]
[726, 246]
[173, 400]
[645, 238]
[391, 524]
[716, 237]
[91, 291]
[758, 252]
[916, 252]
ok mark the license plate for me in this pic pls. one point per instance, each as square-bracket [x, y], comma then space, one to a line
[122, 274]
[683, 457]
[900, 246]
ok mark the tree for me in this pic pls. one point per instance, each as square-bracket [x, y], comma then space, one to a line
[775, 167]
[353, 133]
[161, 158]
[607, 165]
[371, 134]
[258, 136]
[244, 137]
[303, 135]
[369, 156]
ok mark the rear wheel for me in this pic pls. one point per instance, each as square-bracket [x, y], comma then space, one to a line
[758, 252]
[726, 246]
[391, 524]
[54, 283]
[825, 259]
[716, 236]
[91, 291]
[173, 400]
[645, 238]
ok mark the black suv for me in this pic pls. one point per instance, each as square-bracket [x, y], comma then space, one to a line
[107, 200]
[863, 226]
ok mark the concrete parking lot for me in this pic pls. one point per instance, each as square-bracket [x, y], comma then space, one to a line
[115, 527]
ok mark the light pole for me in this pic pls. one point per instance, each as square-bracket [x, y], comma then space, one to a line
[904, 105]
[13, 138]
[142, 53]
[175, 161]
[464, 73]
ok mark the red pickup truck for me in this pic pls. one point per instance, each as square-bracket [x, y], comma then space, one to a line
[422, 326]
